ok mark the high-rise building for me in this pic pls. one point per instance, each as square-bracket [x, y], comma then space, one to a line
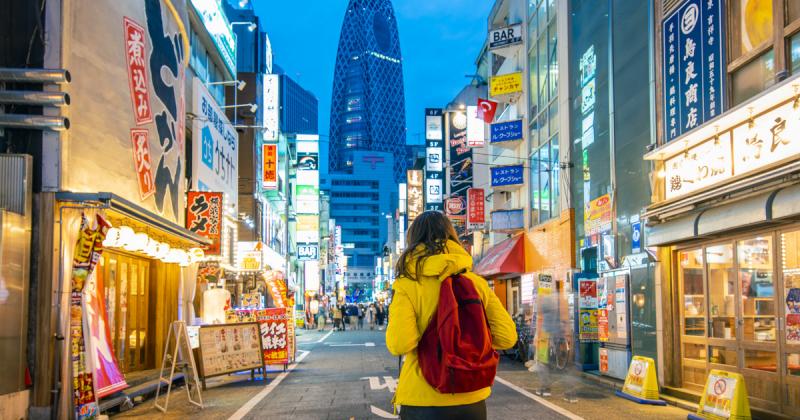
[368, 104]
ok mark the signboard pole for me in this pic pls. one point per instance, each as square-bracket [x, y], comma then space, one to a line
[182, 358]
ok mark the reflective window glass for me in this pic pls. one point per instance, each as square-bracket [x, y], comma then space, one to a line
[758, 289]
[690, 273]
[721, 291]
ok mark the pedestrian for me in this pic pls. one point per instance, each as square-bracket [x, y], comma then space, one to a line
[338, 325]
[322, 315]
[352, 311]
[371, 319]
[360, 316]
[434, 254]
[380, 313]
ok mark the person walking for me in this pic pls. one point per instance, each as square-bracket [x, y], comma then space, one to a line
[352, 311]
[360, 316]
[434, 254]
[322, 316]
[371, 316]
[338, 325]
[381, 313]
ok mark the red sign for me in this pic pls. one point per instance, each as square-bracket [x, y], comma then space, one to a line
[476, 213]
[454, 205]
[486, 110]
[140, 138]
[136, 58]
[273, 323]
[602, 325]
[269, 163]
[204, 217]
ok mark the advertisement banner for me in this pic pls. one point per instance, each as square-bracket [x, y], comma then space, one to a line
[140, 139]
[597, 215]
[273, 324]
[460, 171]
[588, 325]
[602, 325]
[415, 193]
[476, 212]
[307, 228]
[506, 131]
[204, 217]
[136, 53]
[271, 107]
[505, 84]
[504, 37]
[269, 166]
[476, 135]
[792, 315]
[694, 65]
[215, 158]
[507, 175]
[108, 377]
[275, 286]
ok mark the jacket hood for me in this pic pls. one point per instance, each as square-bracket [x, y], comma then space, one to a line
[440, 266]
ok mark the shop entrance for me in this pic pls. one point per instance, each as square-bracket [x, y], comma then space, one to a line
[127, 286]
[738, 303]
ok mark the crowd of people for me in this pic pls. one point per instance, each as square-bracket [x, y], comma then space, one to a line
[349, 316]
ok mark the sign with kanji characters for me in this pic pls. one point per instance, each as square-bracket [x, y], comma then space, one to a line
[506, 131]
[597, 215]
[229, 348]
[136, 58]
[271, 107]
[269, 166]
[273, 323]
[476, 209]
[140, 140]
[204, 217]
[505, 84]
[415, 194]
[693, 66]
[507, 175]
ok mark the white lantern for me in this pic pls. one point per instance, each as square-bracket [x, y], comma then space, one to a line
[151, 249]
[185, 259]
[162, 250]
[196, 254]
[138, 243]
[112, 238]
[126, 236]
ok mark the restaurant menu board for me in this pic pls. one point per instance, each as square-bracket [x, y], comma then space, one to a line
[227, 348]
[274, 326]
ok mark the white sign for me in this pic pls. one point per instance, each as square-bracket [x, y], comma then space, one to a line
[433, 127]
[307, 252]
[311, 271]
[719, 394]
[433, 161]
[215, 156]
[504, 37]
[433, 191]
[766, 139]
[476, 132]
[271, 106]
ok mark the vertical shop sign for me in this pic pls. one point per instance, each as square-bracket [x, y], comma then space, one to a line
[476, 133]
[269, 165]
[136, 58]
[273, 323]
[434, 160]
[415, 204]
[602, 309]
[271, 111]
[694, 62]
[204, 217]
[587, 303]
[597, 215]
[140, 140]
[87, 253]
[476, 212]
[460, 170]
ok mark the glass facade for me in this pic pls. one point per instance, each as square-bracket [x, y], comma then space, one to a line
[368, 104]
[205, 68]
[543, 113]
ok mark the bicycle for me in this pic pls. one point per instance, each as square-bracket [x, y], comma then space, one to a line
[522, 350]
[559, 351]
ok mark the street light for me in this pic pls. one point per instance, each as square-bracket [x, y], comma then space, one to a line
[240, 84]
[251, 26]
[253, 107]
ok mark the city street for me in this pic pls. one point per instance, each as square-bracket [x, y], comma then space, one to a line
[344, 375]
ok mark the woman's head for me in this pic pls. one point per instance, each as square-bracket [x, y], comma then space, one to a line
[430, 231]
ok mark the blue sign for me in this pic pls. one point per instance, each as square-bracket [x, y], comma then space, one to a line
[505, 131]
[636, 237]
[693, 66]
[507, 175]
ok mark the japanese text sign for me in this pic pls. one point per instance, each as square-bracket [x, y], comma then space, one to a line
[693, 66]
[274, 335]
[415, 200]
[597, 215]
[507, 175]
[506, 131]
[505, 84]
[269, 164]
[204, 217]
[136, 58]
[140, 140]
[476, 213]
[724, 396]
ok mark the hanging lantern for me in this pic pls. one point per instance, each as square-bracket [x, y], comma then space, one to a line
[126, 236]
[151, 249]
[138, 243]
[162, 250]
[112, 238]
[196, 254]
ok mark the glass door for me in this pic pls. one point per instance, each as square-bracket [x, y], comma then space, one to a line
[790, 315]
[693, 318]
[722, 291]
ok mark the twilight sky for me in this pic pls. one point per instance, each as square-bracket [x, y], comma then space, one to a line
[440, 40]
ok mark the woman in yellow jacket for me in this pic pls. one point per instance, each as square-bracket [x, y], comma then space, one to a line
[433, 253]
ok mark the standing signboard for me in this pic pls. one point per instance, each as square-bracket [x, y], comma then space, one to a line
[694, 65]
[204, 217]
[434, 160]
[273, 324]
[228, 348]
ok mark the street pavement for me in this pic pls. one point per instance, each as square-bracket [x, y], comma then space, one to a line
[351, 375]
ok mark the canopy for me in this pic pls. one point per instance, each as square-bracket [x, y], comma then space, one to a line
[504, 258]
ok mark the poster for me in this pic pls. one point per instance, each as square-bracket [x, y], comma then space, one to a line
[87, 252]
[793, 316]
[602, 325]
[204, 217]
[273, 324]
[603, 353]
[588, 324]
[229, 348]
[587, 294]
[597, 215]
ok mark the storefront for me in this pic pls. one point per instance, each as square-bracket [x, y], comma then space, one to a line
[502, 266]
[728, 241]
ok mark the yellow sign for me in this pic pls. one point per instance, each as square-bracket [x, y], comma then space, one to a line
[724, 396]
[597, 215]
[641, 382]
[505, 84]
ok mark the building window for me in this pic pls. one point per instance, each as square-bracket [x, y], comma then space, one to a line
[753, 77]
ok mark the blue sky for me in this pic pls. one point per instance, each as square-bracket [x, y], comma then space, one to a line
[440, 40]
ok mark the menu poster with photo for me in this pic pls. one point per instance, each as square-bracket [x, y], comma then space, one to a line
[229, 348]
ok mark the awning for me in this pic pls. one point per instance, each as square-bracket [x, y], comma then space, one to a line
[504, 258]
[785, 202]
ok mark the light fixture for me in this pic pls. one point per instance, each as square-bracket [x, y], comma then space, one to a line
[240, 84]
[197, 254]
[253, 107]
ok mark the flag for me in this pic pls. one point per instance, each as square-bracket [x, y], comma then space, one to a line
[486, 110]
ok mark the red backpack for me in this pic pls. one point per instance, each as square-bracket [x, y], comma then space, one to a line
[455, 352]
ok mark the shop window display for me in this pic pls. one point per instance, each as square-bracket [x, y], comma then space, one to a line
[758, 289]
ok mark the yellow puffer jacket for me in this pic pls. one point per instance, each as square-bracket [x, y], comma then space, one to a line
[413, 305]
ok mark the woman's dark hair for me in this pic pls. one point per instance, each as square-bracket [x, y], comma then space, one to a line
[431, 230]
